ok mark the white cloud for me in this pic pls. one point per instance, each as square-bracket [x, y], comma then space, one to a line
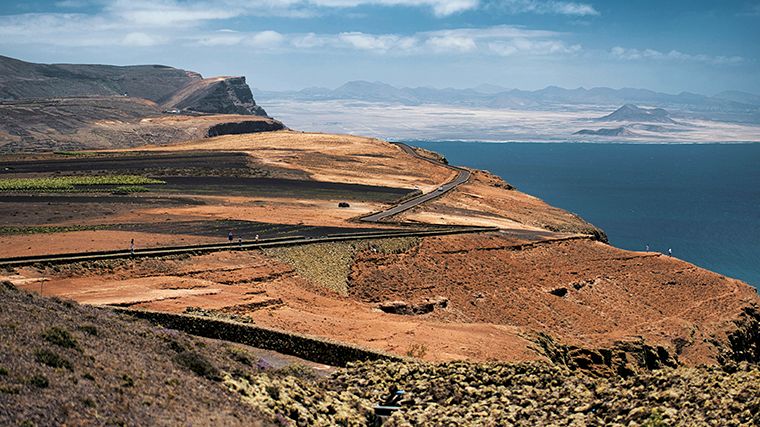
[378, 43]
[545, 7]
[532, 47]
[309, 41]
[139, 28]
[451, 43]
[630, 54]
[168, 13]
[140, 39]
[439, 7]
[266, 39]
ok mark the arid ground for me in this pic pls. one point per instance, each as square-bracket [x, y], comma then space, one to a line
[484, 296]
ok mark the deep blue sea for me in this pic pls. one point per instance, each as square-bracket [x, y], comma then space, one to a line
[701, 200]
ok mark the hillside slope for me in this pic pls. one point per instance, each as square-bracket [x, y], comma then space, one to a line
[166, 86]
[62, 363]
[53, 107]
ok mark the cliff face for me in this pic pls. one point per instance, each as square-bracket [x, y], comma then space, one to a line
[72, 106]
[225, 95]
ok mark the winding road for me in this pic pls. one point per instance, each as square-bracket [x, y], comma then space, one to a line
[463, 175]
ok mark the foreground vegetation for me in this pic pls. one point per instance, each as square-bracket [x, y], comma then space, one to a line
[61, 363]
[130, 183]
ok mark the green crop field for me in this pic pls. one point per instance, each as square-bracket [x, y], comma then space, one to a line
[70, 183]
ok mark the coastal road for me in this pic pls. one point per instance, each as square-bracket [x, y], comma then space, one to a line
[463, 175]
[245, 245]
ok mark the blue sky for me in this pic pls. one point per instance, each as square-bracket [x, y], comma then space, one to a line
[671, 46]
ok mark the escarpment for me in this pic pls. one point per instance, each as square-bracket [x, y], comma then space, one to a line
[49, 107]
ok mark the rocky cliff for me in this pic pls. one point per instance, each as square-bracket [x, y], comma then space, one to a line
[72, 106]
[225, 95]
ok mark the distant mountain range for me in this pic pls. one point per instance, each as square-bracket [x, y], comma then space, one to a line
[727, 106]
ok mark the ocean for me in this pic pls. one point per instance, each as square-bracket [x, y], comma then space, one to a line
[700, 200]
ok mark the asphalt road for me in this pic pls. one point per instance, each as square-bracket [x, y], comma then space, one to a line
[245, 245]
[462, 176]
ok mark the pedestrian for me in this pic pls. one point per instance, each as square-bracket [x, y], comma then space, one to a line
[257, 237]
[670, 252]
[132, 247]
[230, 236]
[240, 241]
[647, 248]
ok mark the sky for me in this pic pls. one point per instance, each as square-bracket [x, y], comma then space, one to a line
[671, 46]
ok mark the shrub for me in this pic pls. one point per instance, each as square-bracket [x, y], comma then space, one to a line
[198, 363]
[52, 359]
[89, 330]
[417, 350]
[296, 370]
[128, 381]
[59, 337]
[39, 381]
[241, 356]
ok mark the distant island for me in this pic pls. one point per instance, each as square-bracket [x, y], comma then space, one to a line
[619, 131]
[632, 113]
[637, 118]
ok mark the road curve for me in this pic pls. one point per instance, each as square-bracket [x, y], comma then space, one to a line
[463, 175]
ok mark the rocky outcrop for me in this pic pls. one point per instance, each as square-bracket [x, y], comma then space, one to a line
[744, 341]
[402, 307]
[222, 95]
[624, 358]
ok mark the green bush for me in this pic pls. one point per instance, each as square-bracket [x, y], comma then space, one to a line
[59, 337]
[39, 381]
[198, 363]
[52, 359]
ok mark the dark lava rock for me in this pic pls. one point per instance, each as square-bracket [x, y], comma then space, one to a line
[401, 307]
[246, 126]
[560, 292]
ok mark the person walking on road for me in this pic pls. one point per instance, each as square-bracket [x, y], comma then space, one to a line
[230, 236]
[132, 247]
[670, 252]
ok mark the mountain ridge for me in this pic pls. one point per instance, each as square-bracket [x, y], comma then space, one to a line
[738, 107]
[169, 87]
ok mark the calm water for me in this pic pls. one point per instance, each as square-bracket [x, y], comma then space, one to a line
[703, 201]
